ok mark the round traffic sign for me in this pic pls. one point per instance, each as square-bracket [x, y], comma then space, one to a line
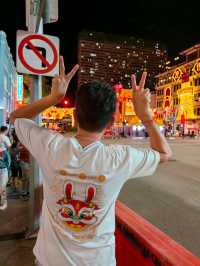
[27, 41]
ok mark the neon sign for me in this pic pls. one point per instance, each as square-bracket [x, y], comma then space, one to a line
[177, 74]
[19, 88]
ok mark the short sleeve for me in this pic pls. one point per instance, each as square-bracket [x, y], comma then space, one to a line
[141, 162]
[35, 138]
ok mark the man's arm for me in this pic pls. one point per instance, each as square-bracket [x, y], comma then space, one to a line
[158, 141]
[33, 109]
[141, 101]
[59, 88]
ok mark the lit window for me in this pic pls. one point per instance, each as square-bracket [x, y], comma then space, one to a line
[82, 44]
[117, 47]
[115, 60]
[82, 56]
[110, 65]
[90, 34]
[82, 71]
[97, 43]
[92, 54]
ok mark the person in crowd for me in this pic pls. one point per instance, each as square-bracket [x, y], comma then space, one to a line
[4, 167]
[192, 134]
[15, 163]
[26, 171]
[82, 176]
[4, 139]
[5, 145]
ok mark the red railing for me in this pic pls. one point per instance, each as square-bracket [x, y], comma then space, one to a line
[139, 243]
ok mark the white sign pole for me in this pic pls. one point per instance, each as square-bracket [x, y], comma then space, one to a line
[37, 13]
[35, 179]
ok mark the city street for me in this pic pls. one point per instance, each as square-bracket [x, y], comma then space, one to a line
[127, 81]
[170, 199]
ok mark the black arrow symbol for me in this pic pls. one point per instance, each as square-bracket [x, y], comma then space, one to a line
[42, 50]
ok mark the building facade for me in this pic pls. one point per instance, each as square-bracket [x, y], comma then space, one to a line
[178, 93]
[114, 58]
[7, 80]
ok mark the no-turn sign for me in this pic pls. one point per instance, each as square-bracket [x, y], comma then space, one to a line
[37, 54]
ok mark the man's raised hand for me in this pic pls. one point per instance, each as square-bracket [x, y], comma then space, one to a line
[60, 83]
[141, 98]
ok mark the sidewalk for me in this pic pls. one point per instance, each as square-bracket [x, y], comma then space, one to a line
[13, 224]
[17, 253]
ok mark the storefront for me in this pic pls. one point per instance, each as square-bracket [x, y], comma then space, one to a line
[7, 80]
[125, 113]
[59, 119]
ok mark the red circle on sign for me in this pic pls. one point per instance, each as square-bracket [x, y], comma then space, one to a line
[27, 40]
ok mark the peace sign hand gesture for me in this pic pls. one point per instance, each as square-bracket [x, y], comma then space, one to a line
[141, 98]
[60, 83]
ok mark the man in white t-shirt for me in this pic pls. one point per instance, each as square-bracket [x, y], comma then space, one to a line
[82, 177]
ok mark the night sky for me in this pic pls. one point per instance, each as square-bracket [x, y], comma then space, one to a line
[174, 23]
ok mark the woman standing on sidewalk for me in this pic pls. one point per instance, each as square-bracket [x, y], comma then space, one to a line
[4, 166]
[5, 144]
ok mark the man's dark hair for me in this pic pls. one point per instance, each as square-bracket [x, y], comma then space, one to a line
[3, 129]
[95, 105]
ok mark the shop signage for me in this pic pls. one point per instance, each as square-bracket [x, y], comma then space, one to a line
[19, 88]
[196, 68]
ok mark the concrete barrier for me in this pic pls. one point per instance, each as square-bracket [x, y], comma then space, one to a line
[139, 243]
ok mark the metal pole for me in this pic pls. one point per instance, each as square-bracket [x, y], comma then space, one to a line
[35, 179]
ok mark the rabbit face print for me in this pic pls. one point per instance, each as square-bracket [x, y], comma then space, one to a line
[76, 213]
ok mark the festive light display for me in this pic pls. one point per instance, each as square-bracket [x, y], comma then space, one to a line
[178, 93]
[54, 115]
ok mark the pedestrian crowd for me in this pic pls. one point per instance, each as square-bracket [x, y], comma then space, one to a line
[14, 167]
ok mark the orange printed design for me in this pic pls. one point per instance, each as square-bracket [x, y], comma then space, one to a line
[77, 214]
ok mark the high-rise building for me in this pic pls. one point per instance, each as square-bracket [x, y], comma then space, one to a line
[114, 58]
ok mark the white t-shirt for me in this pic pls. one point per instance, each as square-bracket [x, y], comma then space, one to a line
[4, 142]
[80, 186]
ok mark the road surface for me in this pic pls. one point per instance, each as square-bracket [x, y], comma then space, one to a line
[170, 199]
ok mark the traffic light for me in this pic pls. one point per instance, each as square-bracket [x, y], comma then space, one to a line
[65, 102]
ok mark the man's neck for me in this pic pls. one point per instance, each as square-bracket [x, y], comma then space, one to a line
[85, 137]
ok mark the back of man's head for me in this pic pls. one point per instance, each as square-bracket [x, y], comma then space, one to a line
[95, 105]
[3, 129]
